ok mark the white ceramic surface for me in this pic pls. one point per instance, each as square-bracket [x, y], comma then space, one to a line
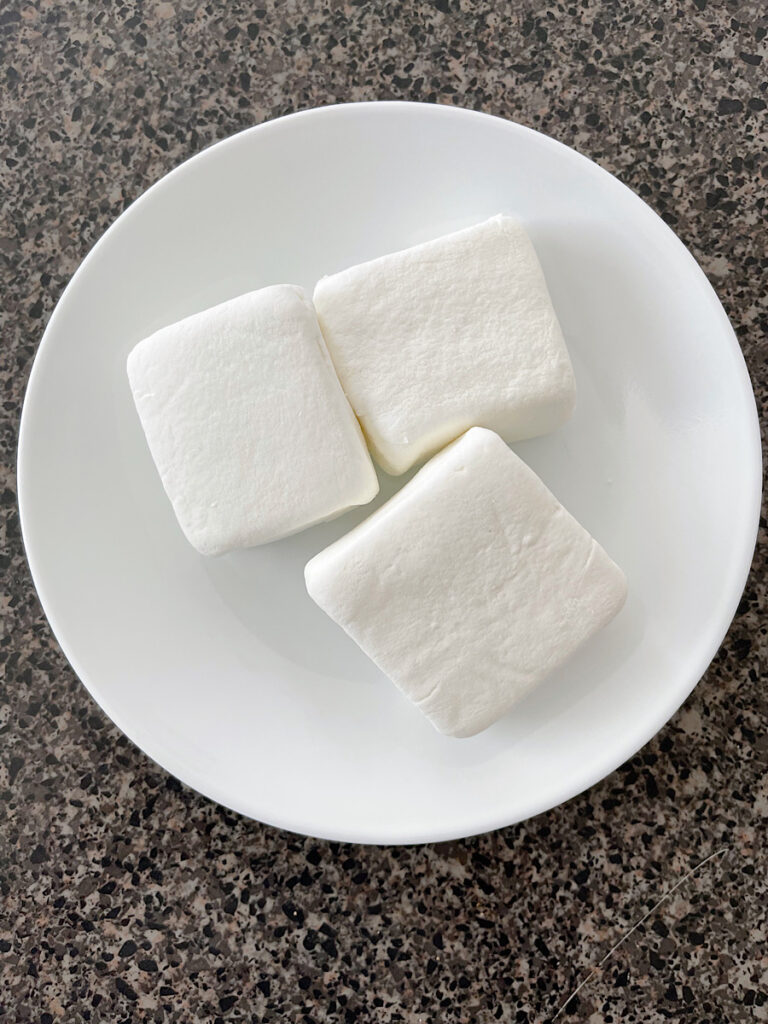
[223, 670]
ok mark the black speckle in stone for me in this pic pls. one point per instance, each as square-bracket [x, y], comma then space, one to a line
[293, 913]
[742, 647]
[127, 949]
[125, 989]
[14, 767]
[227, 1002]
[38, 855]
[729, 106]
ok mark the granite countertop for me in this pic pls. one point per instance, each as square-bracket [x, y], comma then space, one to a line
[129, 897]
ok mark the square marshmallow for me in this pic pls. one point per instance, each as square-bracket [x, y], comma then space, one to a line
[454, 333]
[470, 585]
[247, 422]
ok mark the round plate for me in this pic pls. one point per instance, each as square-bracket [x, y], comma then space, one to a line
[223, 670]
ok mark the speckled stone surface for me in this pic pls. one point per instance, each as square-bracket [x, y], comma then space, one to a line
[127, 897]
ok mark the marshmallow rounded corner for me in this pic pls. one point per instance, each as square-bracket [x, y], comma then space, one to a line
[394, 460]
[313, 579]
[619, 588]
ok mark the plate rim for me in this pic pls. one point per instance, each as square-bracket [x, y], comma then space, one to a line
[467, 825]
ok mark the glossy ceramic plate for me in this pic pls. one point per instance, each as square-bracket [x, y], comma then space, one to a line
[223, 670]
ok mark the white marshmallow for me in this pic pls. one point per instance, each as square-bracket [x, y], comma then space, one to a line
[454, 333]
[247, 422]
[470, 585]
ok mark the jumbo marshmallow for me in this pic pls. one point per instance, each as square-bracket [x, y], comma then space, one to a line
[247, 422]
[454, 333]
[470, 585]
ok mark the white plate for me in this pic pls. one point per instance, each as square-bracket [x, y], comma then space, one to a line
[224, 671]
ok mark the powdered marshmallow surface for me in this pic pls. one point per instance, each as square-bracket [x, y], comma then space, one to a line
[247, 423]
[470, 585]
[457, 332]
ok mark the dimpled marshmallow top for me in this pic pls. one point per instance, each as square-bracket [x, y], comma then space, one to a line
[469, 585]
[247, 422]
[454, 333]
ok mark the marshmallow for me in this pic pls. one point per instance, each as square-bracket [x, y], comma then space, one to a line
[454, 333]
[247, 422]
[470, 585]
